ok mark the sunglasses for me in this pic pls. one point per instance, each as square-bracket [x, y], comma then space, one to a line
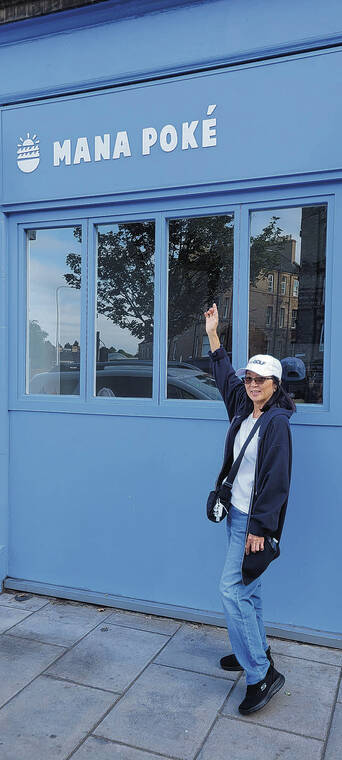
[258, 380]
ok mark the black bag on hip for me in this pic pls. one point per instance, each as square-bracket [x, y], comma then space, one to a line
[219, 499]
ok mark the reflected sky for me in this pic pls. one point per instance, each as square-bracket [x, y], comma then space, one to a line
[46, 269]
[289, 221]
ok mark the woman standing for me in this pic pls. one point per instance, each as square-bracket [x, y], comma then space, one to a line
[257, 509]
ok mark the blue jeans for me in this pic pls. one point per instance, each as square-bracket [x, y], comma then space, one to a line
[242, 604]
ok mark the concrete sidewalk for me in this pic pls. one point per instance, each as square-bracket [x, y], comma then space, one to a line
[97, 683]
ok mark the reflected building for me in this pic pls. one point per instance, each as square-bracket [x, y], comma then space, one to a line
[274, 305]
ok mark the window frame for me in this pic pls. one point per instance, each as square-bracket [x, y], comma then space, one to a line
[241, 204]
[22, 310]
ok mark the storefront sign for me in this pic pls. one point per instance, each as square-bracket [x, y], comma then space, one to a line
[257, 122]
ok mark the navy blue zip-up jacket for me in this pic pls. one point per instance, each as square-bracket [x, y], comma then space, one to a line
[274, 459]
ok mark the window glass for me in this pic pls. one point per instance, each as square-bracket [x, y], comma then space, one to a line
[201, 253]
[287, 283]
[124, 312]
[54, 313]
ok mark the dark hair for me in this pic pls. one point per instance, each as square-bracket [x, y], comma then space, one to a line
[280, 398]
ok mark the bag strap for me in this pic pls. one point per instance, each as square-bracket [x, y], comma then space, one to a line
[235, 466]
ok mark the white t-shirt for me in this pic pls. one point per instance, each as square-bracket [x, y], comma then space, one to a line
[243, 483]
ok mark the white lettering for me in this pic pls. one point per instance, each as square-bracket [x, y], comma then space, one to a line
[149, 138]
[208, 133]
[188, 137]
[102, 147]
[121, 145]
[168, 138]
[82, 151]
[62, 152]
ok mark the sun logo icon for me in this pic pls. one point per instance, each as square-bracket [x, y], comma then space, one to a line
[28, 155]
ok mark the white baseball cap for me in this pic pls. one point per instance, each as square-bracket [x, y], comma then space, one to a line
[263, 365]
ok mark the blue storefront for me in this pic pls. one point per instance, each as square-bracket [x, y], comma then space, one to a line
[157, 156]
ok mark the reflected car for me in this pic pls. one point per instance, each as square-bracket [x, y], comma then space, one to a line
[129, 378]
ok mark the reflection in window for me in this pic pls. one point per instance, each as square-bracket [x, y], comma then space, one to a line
[54, 316]
[269, 315]
[200, 273]
[282, 316]
[125, 297]
[283, 285]
[289, 246]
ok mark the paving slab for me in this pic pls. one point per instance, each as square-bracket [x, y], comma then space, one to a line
[110, 657]
[96, 748]
[21, 660]
[144, 622]
[306, 651]
[198, 648]
[304, 703]
[339, 696]
[167, 711]
[9, 616]
[60, 623]
[334, 746]
[235, 740]
[24, 601]
[49, 718]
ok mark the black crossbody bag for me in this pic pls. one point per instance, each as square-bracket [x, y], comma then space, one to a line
[219, 500]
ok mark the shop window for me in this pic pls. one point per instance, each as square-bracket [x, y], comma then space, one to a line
[200, 272]
[290, 245]
[124, 309]
[53, 347]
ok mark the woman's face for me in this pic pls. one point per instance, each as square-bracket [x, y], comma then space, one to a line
[259, 393]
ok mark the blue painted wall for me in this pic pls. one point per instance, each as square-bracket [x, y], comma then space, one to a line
[111, 498]
[116, 505]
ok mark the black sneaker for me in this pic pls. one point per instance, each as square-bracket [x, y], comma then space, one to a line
[258, 694]
[231, 663]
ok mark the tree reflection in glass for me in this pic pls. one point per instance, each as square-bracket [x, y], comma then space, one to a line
[124, 306]
[201, 252]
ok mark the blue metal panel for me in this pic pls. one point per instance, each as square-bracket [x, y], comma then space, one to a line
[118, 49]
[118, 507]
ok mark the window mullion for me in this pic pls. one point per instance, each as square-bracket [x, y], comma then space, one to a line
[161, 289]
[91, 310]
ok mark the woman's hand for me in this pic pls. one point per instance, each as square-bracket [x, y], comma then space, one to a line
[254, 543]
[211, 324]
[211, 320]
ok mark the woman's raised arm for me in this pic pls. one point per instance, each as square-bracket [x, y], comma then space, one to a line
[230, 386]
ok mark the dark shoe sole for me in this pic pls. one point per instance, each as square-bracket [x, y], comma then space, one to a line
[276, 686]
[231, 668]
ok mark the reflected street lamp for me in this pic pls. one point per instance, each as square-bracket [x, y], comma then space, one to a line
[60, 287]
